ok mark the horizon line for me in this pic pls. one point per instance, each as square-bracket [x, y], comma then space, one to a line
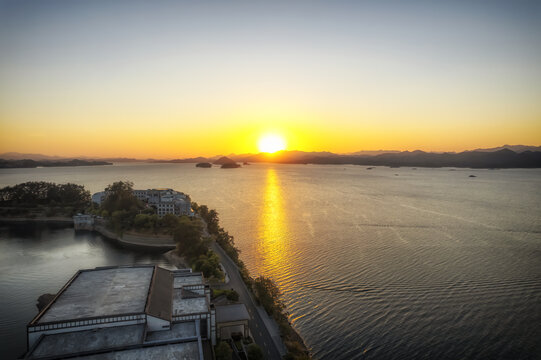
[145, 158]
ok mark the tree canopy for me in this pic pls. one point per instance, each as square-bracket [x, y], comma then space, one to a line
[119, 196]
[223, 351]
[254, 352]
[36, 193]
[268, 295]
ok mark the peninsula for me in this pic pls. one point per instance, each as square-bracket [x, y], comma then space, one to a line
[197, 240]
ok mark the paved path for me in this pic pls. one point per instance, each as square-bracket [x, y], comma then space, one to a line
[258, 329]
[260, 333]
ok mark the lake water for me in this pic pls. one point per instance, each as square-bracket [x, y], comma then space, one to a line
[392, 263]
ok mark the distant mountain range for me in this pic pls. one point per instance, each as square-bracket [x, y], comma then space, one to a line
[472, 159]
[41, 157]
[515, 148]
[469, 159]
[507, 156]
[27, 163]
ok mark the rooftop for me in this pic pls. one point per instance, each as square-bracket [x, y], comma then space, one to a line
[55, 345]
[180, 330]
[183, 306]
[233, 312]
[182, 279]
[108, 292]
[100, 292]
[187, 350]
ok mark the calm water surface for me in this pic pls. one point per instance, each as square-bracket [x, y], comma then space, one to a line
[383, 263]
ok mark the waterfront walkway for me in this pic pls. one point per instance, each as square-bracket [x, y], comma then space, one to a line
[264, 331]
[268, 338]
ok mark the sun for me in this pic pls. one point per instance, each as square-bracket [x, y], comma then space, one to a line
[271, 143]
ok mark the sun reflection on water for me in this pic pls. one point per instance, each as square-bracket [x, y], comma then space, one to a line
[272, 246]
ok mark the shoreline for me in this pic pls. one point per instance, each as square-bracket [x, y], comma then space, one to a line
[51, 220]
[134, 241]
[270, 322]
[139, 242]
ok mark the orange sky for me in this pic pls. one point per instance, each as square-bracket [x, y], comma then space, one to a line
[171, 80]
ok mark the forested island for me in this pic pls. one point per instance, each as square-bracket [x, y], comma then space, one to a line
[230, 166]
[204, 165]
[28, 163]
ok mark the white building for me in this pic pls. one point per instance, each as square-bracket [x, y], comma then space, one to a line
[134, 312]
[99, 197]
[166, 201]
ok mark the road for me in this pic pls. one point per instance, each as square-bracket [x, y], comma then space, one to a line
[258, 329]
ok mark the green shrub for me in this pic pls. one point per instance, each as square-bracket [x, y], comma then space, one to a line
[223, 351]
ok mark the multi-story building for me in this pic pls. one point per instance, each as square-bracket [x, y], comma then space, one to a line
[166, 201]
[99, 197]
[135, 312]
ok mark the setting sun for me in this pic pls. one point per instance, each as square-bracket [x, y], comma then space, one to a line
[271, 143]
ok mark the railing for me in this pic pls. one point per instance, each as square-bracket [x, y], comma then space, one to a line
[139, 318]
[198, 316]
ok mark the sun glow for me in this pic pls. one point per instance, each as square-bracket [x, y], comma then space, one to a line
[271, 143]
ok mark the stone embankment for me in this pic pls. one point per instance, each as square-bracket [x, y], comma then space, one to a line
[139, 240]
[50, 220]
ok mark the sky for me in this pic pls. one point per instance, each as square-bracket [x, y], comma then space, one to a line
[170, 79]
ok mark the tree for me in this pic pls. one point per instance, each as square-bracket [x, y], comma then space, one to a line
[169, 222]
[35, 193]
[254, 352]
[73, 194]
[121, 220]
[202, 210]
[146, 222]
[212, 221]
[268, 295]
[209, 265]
[232, 295]
[187, 236]
[223, 351]
[120, 197]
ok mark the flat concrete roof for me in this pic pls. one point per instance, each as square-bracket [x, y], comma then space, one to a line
[102, 292]
[230, 313]
[183, 279]
[184, 351]
[55, 345]
[188, 306]
[178, 331]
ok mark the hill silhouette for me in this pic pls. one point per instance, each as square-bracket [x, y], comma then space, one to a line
[224, 160]
[507, 156]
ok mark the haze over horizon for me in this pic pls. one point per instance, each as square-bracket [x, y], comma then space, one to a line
[173, 79]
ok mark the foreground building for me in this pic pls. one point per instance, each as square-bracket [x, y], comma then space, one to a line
[135, 312]
[166, 201]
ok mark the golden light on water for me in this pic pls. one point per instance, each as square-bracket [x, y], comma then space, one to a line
[271, 143]
[272, 227]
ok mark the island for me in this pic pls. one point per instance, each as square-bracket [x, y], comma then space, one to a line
[203, 165]
[230, 166]
[227, 163]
